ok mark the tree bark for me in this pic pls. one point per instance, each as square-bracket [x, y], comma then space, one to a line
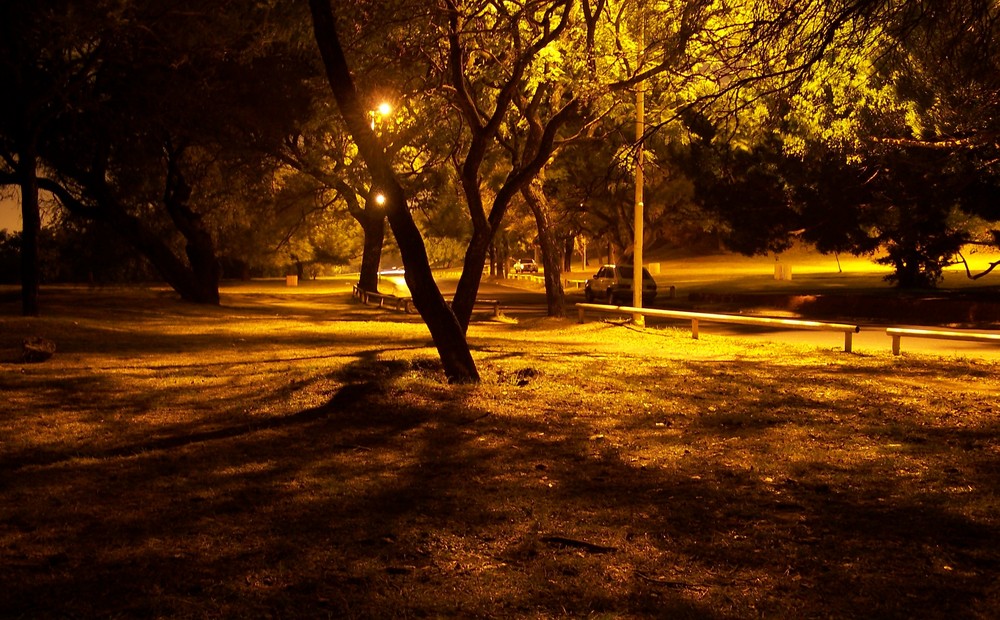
[205, 271]
[555, 297]
[447, 333]
[372, 222]
[569, 247]
[171, 268]
[371, 217]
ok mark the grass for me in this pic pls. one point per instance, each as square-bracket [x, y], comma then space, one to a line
[298, 455]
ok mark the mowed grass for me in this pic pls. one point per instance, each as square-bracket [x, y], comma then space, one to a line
[301, 456]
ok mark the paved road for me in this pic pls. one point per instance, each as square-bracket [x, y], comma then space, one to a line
[520, 301]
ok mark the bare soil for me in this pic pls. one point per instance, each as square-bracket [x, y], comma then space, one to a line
[301, 456]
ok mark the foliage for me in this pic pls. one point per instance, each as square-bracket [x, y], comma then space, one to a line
[907, 113]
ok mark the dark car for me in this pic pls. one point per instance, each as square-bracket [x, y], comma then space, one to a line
[613, 283]
[526, 265]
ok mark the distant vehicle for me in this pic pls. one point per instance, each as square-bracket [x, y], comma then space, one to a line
[525, 265]
[393, 282]
[613, 283]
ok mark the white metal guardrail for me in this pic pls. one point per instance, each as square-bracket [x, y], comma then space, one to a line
[697, 318]
[897, 333]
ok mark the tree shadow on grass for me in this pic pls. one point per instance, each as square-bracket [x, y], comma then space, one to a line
[381, 504]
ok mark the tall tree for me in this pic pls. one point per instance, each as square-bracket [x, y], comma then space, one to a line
[164, 130]
[490, 94]
[446, 330]
[47, 55]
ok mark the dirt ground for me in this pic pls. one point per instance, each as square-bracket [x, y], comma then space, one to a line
[296, 456]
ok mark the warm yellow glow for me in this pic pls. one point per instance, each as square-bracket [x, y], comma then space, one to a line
[380, 199]
[384, 109]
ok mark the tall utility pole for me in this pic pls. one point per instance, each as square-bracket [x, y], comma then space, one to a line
[640, 129]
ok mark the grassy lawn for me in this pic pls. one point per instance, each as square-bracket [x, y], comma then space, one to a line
[297, 455]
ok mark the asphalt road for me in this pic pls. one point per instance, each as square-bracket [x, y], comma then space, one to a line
[521, 301]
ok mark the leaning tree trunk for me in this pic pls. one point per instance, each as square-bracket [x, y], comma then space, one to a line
[182, 278]
[27, 170]
[555, 297]
[447, 333]
[464, 300]
[174, 271]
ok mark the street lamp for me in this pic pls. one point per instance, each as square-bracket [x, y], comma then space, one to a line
[383, 110]
[380, 199]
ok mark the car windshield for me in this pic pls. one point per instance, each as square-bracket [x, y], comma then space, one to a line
[627, 271]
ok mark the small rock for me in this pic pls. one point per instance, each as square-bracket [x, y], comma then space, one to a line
[37, 349]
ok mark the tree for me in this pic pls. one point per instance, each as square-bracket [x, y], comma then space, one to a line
[447, 332]
[489, 95]
[898, 141]
[164, 134]
[47, 54]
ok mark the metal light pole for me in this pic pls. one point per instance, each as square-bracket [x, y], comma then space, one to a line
[640, 129]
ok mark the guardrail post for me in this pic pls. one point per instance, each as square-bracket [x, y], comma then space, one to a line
[694, 328]
[895, 344]
[580, 312]
[848, 341]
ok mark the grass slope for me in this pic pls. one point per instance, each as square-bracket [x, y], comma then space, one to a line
[292, 455]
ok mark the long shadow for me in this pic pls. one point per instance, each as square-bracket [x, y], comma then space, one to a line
[379, 505]
[345, 397]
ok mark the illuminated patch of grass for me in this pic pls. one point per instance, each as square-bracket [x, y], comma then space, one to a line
[297, 456]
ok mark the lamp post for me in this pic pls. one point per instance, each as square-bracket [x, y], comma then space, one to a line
[640, 130]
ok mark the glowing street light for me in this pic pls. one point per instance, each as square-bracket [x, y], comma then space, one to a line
[380, 199]
[382, 111]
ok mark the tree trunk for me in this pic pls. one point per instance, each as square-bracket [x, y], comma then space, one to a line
[373, 224]
[371, 217]
[205, 272]
[569, 246]
[173, 270]
[467, 289]
[446, 331]
[555, 297]
[27, 170]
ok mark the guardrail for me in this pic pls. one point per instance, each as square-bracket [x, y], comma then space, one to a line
[698, 317]
[897, 334]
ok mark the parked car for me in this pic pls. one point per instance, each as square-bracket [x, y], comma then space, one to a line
[613, 283]
[525, 265]
[393, 282]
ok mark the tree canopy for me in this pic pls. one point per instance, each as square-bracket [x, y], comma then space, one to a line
[209, 138]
